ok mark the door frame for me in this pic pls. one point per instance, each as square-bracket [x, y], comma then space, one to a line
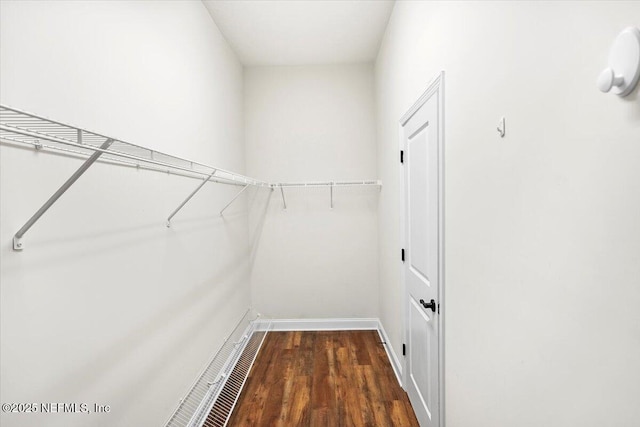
[436, 86]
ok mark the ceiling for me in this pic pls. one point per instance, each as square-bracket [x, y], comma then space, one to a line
[301, 32]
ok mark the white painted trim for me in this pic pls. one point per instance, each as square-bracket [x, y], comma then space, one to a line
[442, 306]
[435, 86]
[333, 324]
[393, 357]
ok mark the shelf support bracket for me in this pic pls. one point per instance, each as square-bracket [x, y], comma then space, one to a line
[193, 193]
[234, 199]
[331, 190]
[17, 239]
[284, 201]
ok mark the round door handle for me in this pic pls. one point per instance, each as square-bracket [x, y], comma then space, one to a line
[431, 305]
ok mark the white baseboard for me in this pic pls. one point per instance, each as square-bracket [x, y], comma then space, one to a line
[393, 357]
[322, 324]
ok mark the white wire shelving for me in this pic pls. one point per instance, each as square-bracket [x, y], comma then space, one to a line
[319, 184]
[20, 127]
[211, 399]
[27, 128]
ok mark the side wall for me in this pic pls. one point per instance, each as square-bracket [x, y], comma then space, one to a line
[313, 123]
[542, 231]
[105, 304]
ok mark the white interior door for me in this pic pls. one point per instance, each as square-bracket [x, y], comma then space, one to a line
[421, 143]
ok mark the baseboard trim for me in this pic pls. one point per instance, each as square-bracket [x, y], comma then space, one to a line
[334, 324]
[393, 357]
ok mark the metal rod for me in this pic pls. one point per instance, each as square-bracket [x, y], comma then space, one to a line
[193, 193]
[234, 198]
[17, 243]
[284, 202]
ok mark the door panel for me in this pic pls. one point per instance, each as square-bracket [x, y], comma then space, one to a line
[417, 153]
[419, 354]
[421, 142]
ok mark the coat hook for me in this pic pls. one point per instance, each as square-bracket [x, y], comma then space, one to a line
[623, 70]
[501, 127]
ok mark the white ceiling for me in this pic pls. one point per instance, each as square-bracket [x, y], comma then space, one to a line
[300, 32]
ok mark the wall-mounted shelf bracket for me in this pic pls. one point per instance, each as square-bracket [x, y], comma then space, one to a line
[17, 239]
[193, 193]
[331, 191]
[234, 199]
[284, 201]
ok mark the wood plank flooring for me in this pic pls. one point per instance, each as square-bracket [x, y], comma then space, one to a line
[335, 378]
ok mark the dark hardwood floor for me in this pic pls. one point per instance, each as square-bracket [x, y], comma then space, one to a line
[336, 378]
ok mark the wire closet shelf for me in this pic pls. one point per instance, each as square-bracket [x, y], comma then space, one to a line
[26, 128]
[17, 126]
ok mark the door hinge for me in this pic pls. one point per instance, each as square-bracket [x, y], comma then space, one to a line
[401, 156]
[404, 349]
[438, 308]
[402, 256]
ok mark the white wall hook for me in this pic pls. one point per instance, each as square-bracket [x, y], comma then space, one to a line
[609, 79]
[621, 76]
[501, 127]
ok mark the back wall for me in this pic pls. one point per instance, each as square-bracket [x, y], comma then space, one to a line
[313, 123]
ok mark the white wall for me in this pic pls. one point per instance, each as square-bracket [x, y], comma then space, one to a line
[542, 230]
[106, 305]
[313, 123]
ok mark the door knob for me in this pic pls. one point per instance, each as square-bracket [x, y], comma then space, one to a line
[431, 305]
